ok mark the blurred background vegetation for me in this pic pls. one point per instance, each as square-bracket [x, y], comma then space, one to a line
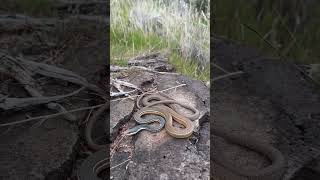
[140, 27]
[290, 26]
[28, 7]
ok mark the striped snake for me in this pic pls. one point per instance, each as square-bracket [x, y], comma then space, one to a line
[166, 108]
[274, 171]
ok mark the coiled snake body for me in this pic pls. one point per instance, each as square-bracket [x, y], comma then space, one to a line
[100, 160]
[272, 172]
[169, 113]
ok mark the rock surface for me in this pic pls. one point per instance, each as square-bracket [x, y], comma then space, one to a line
[158, 155]
[49, 151]
[120, 112]
[271, 101]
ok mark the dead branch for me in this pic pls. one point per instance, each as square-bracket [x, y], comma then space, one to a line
[150, 70]
[119, 69]
[50, 115]
[23, 70]
[24, 77]
[13, 66]
[123, 83]
[124, 93]
[118, 83]
[18, 103]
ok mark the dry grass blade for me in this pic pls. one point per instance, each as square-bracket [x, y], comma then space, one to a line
[113, 150]
[227, 75]
[119, 164]
[220, 68]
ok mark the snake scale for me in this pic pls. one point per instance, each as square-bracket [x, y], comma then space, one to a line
[165, 108]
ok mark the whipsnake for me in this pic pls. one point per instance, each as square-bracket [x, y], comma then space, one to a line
[166, 107]
[274, 171]
[100, 160]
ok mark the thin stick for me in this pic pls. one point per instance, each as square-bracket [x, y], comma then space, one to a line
[220, 68]
[87, 119]
[38, 124]
[50, 115]
[116, 145]
[120, 164]
[180, 85]
[261, 37]
[227, 75]
[282, 57]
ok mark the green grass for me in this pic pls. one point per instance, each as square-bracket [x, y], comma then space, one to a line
[28, 7]
[301, 42]
[189, 68]
[185, 36]
[127, 45]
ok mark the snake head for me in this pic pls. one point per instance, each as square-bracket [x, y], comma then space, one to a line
[132, 131]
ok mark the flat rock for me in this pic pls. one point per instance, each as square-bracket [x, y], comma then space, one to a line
[120, 112]
[28, 151]
[160, 156]
[271, 101]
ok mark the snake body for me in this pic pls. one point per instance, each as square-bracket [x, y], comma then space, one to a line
[93, 165]
[165, 107]
[168, 112]
[272, 172]
[88, 129]
[144, 124]
[98, 161]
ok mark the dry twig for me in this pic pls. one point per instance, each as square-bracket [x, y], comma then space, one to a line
[120, 164]
[174, 87]
[226, 75]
